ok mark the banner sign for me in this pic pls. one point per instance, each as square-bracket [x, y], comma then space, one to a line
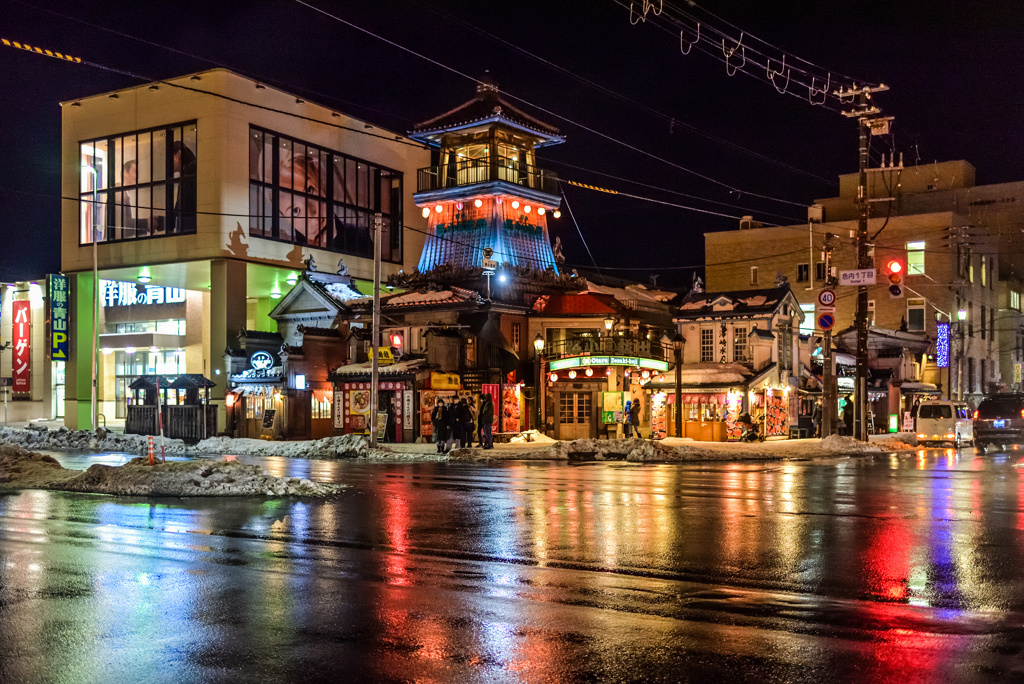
[58, 317]
[118, 293]
[942, 345]
[21, 340]
[634, 361]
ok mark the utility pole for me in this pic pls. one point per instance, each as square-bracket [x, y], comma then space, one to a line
[378, 219]
[869, 122]
[830, 400]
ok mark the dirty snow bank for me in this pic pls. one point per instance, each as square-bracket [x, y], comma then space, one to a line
[84, 440]
[21, 469]
[672, 450]
[329, 447]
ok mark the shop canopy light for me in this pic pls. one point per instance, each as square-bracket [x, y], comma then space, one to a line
[426, 212]
[557, 214]
[154, 350]
[540, 211]
[478, 203]
[527, 208]
[553, 377]
[107, 351]
[572, 375]
[292, 279]
[633, 361]
[515, 204]
[129, 350]
[439, 208]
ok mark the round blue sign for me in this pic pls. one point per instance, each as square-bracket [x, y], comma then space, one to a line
[826, 321]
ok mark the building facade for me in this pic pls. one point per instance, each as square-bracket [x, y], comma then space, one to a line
[200, 198]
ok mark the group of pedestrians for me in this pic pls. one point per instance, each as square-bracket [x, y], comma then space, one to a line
[454, 424]
[631, 418]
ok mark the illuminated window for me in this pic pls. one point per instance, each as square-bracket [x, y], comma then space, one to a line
[807, 327]
[1015, 300]
[138, 185]
[707, 344]
[915, 258]
[871, 312]
[753, 275]
[984, 271]
[308, 195]
[739, 343]
[516, 336]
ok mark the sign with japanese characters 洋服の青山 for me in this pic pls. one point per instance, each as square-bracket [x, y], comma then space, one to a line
[119, 293]
[58, 317]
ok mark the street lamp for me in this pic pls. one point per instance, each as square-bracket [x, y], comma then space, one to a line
[538, 348]
[961, 316]
[96, 293]
[677, 346]
[608, 323]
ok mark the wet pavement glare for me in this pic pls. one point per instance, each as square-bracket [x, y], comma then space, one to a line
[892, 568]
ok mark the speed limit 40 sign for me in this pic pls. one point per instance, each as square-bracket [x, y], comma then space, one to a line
[827, 298]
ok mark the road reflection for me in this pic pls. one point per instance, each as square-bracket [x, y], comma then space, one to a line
[526, 570]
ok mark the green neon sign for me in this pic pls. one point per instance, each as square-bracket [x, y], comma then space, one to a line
[631, 361]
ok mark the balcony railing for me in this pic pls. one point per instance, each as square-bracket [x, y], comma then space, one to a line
[611, 345]
[473, 171]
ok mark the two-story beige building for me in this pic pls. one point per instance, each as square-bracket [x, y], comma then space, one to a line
[201, 199]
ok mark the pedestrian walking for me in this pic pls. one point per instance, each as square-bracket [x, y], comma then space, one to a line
[439, 419]
[816, 418]
[468, 428]
[634, 417]
[627, 426]
[486, 418]
[847, 415]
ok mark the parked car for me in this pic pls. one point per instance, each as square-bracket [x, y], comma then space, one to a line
[944, 421]
[999, 420]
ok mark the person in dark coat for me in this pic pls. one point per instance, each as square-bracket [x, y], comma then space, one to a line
[816, 418]
[468, 427]
[438, 420]
[634, 416]
[457, 421]
[847, 415]
[627, 426]
[486, 418]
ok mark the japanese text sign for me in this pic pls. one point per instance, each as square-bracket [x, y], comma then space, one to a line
[21, 339]
[58, 317]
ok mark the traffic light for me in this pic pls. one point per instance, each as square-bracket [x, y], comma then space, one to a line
[396, 341]
[895, 269]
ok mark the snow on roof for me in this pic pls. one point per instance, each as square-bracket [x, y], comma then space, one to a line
[714, 373]
[759, 300]
[397, 368]
[631, 292]
[342, 291]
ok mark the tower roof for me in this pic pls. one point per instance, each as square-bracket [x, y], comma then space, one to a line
[487, 107]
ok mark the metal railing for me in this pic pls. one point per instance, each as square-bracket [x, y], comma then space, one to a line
[611, 345]
[473, 171]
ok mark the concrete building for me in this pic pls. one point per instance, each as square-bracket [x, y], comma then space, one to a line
[955, 240]
[200, 197]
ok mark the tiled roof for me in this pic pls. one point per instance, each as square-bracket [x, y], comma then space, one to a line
[487, 104]
[586, 303]
[733, 302]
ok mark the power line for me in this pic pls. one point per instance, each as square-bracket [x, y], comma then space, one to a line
[670, 120]
[539, 108]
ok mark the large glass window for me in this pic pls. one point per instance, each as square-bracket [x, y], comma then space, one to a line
[138, 185]
[915, 258]
[739, 343]
[915, 315]
[309, 195]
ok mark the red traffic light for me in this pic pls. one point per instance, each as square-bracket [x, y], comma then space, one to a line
[894, 266]
[396, 340]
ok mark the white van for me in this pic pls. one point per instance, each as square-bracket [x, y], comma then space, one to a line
[944, 421]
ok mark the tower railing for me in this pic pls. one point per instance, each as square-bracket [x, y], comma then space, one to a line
[498, 168]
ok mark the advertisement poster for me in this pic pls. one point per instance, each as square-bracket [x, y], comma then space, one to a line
[339, 410]
[511, 409]
[612, 406]
[659, 415]
[21, 339]
[58, 317]
[492, 389]
[359, 409]
[428, 398]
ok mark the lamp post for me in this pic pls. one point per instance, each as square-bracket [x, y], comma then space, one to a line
[961, 316]
[677, 346]
[96, 296]
[538, 348]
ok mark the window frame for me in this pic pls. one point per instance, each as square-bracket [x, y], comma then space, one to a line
[803, 273]
[707, 344]
[109, 193]
[916, 257]
[915, 305]
[349, 218]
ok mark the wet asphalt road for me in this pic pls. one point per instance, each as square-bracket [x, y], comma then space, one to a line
[877, 569]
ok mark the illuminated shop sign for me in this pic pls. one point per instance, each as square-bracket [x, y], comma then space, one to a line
[261, 361]
[942, 345]
[21, 337]
[118, 293]
[58, 317]
[633, 361]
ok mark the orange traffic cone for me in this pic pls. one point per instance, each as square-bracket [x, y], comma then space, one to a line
[149, 439]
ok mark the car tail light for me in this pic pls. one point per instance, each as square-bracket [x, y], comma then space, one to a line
[976, 415]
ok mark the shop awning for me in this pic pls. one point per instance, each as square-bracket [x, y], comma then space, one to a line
[919, 388]
[323, 396]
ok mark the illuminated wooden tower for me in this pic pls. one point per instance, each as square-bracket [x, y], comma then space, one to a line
[486, 190]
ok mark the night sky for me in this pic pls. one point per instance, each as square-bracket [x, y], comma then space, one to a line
[955, 73]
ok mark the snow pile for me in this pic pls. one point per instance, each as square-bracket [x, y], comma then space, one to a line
[20, 469]
[83, 440]
[340, 446]
[531, 436]
[899, 441]
[201, 477]
[837, 444]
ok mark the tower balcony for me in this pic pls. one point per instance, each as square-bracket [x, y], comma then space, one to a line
[494, 175]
